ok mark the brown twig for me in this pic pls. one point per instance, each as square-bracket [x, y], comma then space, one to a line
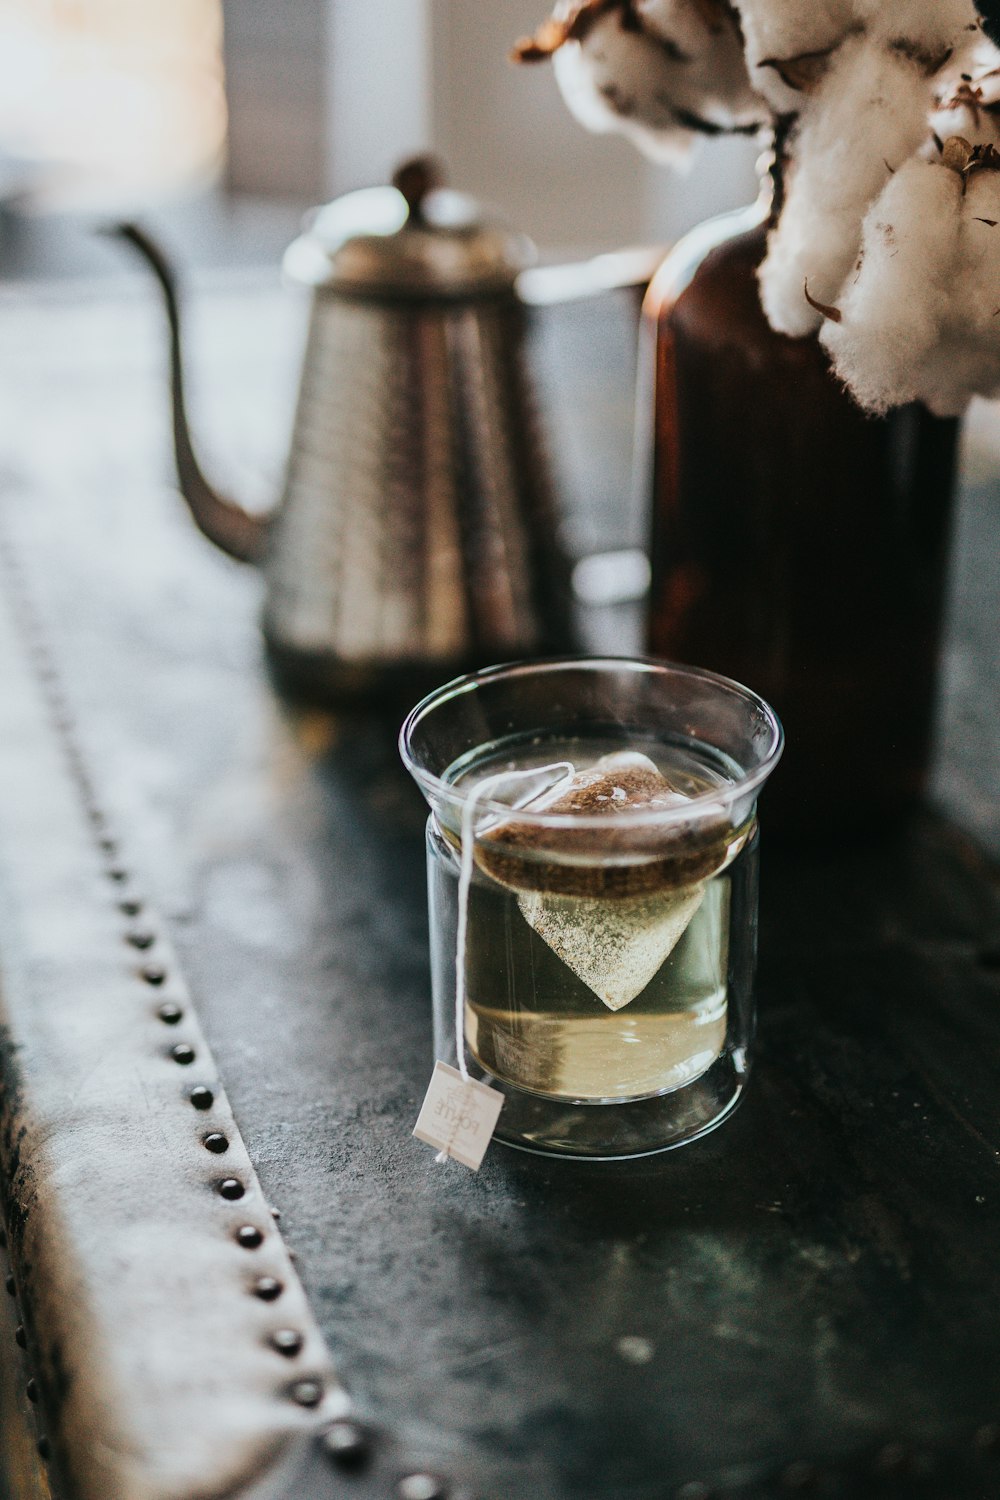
[833, 314]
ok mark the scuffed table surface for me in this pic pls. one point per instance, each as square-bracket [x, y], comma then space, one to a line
[806, 1301]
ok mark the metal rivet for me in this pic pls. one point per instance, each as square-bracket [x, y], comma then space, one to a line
[421, 1487]
[267, 1288]
[201, 1097]
[231, 1188]
[799, 1476]
[130, 908]
[170, 1013]
[32, 1390]
[287, 1341]
[141, 938]
[276, 1214]
[19, 1337]
[152, 974]
[216, 1143]
[347, 1444]
[987, 1438]
[250, 1237]
[182, 1053]
[307, 1392]
[11, 1286]
[44, 1447]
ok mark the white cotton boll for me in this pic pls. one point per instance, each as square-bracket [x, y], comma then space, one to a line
[931, 25]
[958, 371]
[895, 305]
[864, 118]
[683, 25]
[973, 60]
[967, 359]
[968, 97]
[958, 368]
[781, 30]
[787, 28]
[658, 85]
[977, 287]
[609, 85]
[712, 82]
[977, 126]
[804, 36]
[709, 38]
[922, 318]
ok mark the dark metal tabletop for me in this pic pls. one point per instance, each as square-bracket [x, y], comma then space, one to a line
[806, 1301]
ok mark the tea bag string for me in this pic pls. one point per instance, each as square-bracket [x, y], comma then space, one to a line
[481, 790]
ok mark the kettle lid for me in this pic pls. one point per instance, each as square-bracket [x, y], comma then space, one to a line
[416, 238]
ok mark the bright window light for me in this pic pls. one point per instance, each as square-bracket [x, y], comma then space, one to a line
[110, 102]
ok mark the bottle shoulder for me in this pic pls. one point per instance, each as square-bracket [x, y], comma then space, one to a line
[711, 275]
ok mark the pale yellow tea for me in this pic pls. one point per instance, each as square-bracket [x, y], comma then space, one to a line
[598, 964]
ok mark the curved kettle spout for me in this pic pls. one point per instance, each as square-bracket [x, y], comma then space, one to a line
[225, 523]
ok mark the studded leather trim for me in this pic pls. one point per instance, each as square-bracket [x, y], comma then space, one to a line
[172, 1348]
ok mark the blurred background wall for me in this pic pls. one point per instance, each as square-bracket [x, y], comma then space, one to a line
[401, 75]
[198, 108]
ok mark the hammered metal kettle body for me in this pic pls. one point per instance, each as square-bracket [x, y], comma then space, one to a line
[416, 533]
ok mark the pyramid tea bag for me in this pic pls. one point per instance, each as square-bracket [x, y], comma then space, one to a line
[618, 948]
[613, 922]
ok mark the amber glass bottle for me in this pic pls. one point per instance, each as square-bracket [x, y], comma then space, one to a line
[798, 544]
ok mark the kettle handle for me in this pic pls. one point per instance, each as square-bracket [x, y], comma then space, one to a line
[237, 532]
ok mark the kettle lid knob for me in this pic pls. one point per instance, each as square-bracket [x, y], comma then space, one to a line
[416, 178]
[414, 239]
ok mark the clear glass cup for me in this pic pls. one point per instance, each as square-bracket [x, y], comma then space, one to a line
[611, 916]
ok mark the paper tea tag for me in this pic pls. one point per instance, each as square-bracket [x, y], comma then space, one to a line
[458, 1116]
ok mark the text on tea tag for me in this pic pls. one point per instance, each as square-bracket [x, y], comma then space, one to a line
[458, 1116]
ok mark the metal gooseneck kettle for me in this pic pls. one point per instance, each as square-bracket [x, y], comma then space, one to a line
[416, 533]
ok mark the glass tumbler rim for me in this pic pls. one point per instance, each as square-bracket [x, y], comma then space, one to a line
[437, 789]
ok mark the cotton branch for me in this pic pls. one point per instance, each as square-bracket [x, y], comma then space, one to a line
[891, 196]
